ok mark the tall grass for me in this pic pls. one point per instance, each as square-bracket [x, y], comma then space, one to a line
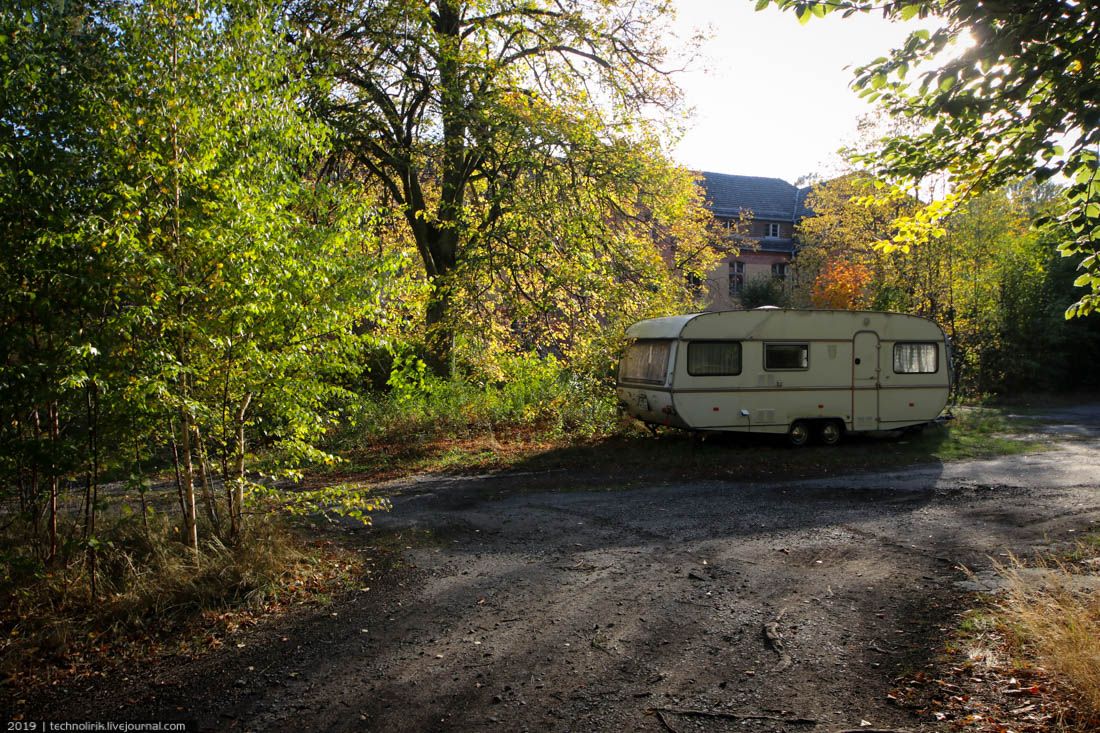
[147, 583]
[1052, 612]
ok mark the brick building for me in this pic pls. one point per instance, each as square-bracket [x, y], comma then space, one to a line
[760, 215]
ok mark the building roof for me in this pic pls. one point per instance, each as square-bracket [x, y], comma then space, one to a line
[770, 199]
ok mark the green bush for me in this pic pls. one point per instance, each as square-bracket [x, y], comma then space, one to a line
[536, 394]
[764, 290]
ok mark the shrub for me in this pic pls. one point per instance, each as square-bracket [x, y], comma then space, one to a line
[148, 583]
[529, 392]
[764, 290]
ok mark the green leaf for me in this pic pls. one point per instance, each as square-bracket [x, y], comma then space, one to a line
[908, 12]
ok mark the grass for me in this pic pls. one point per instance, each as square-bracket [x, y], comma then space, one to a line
[1039, 401]
[541, 414]
[983, 432]
[636, 455]
[1027, 657]
[1052, 620]
[154, 596]
[151, 590]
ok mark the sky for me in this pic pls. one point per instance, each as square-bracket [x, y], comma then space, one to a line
[772, 96]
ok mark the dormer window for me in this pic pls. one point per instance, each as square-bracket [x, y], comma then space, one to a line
[771, 230]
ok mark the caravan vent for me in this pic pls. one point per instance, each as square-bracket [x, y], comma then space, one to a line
[765, 416]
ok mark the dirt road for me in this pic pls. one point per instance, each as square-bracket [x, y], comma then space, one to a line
[530, 602]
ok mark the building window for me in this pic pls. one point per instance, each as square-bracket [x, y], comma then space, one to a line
[737, 278]
[780, 357]
[916, 358]
[771, 230]
[779, 270]
[714, 358]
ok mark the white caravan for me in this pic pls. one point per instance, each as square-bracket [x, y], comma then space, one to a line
[799, 372]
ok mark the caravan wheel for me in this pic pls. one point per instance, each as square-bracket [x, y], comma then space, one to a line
[799, 434]
[830, 432]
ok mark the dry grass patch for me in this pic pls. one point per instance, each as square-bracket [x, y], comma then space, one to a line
[1051, 612]
[1026, 659]
[154, 596]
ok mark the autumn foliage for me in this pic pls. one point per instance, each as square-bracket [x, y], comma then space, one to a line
[842, 285]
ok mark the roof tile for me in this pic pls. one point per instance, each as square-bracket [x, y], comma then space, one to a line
[764, 198]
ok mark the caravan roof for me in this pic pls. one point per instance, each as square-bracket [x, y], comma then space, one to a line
[781, 323]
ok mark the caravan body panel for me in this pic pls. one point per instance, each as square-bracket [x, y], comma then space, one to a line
[764, 369]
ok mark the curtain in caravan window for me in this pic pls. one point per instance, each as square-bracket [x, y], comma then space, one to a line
[645, 361]
[714, 358]
[915, 358]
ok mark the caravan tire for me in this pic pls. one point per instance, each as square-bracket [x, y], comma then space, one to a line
[830, 432]
[799, 434]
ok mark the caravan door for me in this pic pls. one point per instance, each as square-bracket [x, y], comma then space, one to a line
[865, 381]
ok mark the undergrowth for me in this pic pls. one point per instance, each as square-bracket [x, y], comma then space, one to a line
[535, 395]
[1051, 613]
[150, 588]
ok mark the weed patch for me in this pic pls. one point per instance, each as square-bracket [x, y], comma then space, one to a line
[1051, 613]
[1027, 659]
[154, 595]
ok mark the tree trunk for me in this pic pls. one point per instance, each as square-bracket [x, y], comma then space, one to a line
[204, 481]
[190, 526]
[55, 432]
[176, 464]
[440, 331]
[238, 484]
[439, 242]
[191, 531]
[141, 491]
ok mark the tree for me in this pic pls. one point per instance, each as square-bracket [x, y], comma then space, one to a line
[176, 269]
[837, 264]
[57, 73]
[842, 285]
[575, 259]
[989, 279]
[1023, 99]
[249, 270]
[482, 119]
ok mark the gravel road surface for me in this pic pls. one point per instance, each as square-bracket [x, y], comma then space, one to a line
[539, 602]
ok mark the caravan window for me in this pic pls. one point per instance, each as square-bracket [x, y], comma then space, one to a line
[645, 361]
[916, 358]
[714, 358]
[786, 356]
